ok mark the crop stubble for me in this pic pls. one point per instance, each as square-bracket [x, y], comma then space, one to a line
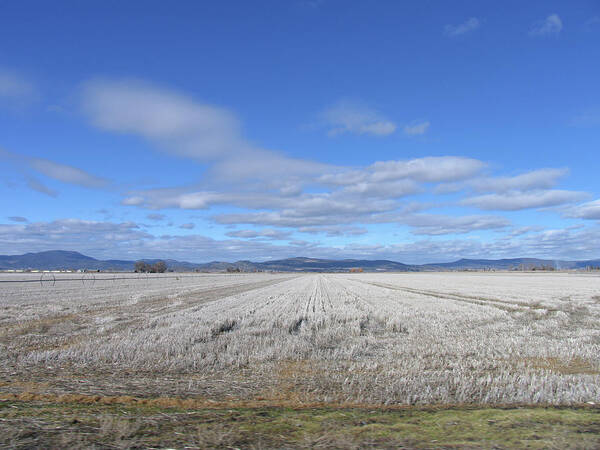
[300, 339]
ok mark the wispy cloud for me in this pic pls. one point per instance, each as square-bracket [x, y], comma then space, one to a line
[181, 126]
[66, 173]
[468, 26]
[587, 118]
[416, 128]
[312, 4]
[15, 88]
[266, 233]
[593, 23]
[550, 26]
[37, 185]
[51, 169]
[427, 169]
[538, 179]
[334, 230]
[156, 217]
[18, 219]
[514, 201]
[435, 225]
[535, 179]
[354, 118]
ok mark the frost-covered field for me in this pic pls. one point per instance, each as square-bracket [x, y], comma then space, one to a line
[414, 338]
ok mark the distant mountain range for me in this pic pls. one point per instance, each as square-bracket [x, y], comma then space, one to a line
[60, 259]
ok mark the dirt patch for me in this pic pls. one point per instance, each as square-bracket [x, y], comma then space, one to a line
[575, 366]
[287, 387]
[37, 326]
[202, 403]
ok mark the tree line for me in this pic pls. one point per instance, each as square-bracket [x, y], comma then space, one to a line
[144, 267]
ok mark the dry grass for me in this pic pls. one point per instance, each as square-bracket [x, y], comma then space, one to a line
[73, 425]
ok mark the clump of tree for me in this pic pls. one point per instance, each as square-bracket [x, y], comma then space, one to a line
[144, 267]
[533, 267]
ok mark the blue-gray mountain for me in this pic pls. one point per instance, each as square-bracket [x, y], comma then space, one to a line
[60, 259]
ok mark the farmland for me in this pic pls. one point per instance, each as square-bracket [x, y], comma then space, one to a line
[302, 340]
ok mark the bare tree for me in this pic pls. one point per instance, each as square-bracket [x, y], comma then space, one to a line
[159, 267]
[141, 267]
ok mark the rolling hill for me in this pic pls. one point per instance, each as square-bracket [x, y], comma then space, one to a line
[61, 259]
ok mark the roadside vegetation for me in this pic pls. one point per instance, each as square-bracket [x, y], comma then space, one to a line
[72, 425]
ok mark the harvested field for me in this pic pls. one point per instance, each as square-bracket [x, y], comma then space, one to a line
[492, 360]
[306, 339]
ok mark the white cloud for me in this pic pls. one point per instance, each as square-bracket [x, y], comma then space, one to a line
[514, 201]
[283, 170]
[295, 219]
[432, 169]
[431, 224]
[416, 129]
[520, 231]
[525, 191]
[469, 25]
[589, 210]
[236, 175]
[449, 188]
[536, 179]
[428, 169]
[133, 201]
[390, 189]
[266, 233]
[347, 117]
[181, 126]
[550, 26]
[184, 127]
[360, 195]
[549, 244]
[334, 230]
[187, 226]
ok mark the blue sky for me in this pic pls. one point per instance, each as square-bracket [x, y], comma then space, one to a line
[415, 131]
